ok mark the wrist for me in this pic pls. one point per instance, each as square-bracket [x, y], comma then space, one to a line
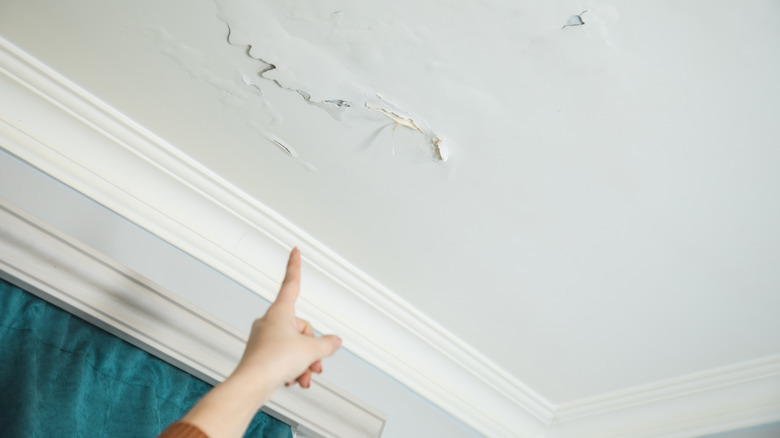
[254, 385]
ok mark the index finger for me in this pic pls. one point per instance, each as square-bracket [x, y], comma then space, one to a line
[291, 285]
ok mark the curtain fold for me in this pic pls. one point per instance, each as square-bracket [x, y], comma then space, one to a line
[62, 376]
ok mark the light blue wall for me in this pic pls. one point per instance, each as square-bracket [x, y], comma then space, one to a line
[771, 430]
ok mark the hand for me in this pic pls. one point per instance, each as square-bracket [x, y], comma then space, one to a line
[281, 350]
[281, 346]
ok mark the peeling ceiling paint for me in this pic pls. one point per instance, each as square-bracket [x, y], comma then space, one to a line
[252, 31]
[602, 210]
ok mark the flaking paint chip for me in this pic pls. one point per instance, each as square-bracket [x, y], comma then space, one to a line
[575, 20]
[437, 148]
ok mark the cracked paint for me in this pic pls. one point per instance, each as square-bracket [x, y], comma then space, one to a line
[218, 73]
[287, 149]
[336, 106]
[600, 20]
[248, 82]
[400, 119]
[190, 60]
[575, 20]
[320, 77]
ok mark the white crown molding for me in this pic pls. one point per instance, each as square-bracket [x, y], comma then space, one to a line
[62, 270]
[708, 381]
[711, 401]
[62, 130]
[723, 422]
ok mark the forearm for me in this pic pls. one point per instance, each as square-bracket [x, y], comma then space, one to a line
[281, 350]
[229, 407]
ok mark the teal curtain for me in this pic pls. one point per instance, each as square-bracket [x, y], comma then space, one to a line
[61, 376]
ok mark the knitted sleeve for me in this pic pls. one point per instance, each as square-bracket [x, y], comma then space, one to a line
[182, 430]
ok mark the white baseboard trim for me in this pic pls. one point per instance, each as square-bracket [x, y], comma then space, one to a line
[62, 130]
[90, 285]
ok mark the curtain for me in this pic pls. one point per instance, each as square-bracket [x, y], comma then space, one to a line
[61, 376]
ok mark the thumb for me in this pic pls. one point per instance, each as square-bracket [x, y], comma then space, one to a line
[325, 346]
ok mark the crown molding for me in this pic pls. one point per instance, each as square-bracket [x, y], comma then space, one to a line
[712, 401]
[72, 136]
[64, 271]
[708, 381]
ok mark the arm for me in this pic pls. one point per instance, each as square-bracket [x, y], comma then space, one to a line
[281, 350]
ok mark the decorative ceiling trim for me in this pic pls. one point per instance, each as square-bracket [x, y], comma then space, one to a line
[703, 382]
[70, 274]
[711, 401]
[69, 134]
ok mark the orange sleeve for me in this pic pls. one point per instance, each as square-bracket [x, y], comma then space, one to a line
[182, 430]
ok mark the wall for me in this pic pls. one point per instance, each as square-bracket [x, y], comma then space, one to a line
[408, 414]
[771, 430]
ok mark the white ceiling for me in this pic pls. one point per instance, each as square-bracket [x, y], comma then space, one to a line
[607, 212]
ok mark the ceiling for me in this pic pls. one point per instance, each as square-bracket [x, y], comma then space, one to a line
[590, 206]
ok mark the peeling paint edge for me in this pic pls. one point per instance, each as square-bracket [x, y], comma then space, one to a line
[436, 141]
[289, 150]
[336, 107]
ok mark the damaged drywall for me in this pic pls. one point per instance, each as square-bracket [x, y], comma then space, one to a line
[335, 105]
[328, 75]
[600, 20]
[221, 74]
[287, 149]
[575, 20]
[399, 118]
[231, 84]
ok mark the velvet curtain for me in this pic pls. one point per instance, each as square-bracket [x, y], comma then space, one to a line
[61, 376]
